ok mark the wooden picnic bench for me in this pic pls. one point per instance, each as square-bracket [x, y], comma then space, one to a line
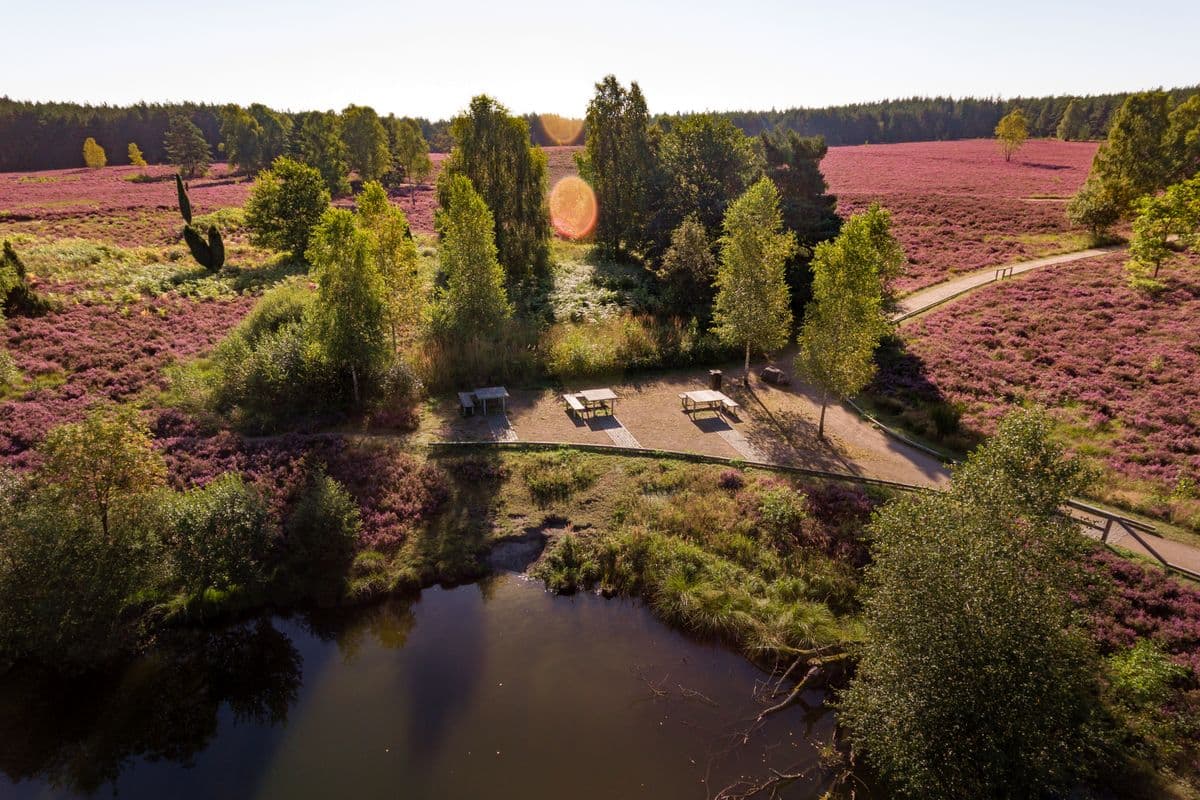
[574, 406]
[707, 400]
[466, 403]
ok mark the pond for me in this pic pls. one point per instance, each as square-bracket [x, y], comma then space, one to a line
[495, 690]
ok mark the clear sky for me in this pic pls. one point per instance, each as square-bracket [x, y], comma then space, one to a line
[429, 58]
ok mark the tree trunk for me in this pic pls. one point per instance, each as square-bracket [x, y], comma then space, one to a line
[821, 424]
[354, 382]
[746, 376]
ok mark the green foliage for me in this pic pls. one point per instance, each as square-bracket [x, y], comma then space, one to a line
[186, 147]
[974, 681]
[219, 536]
[253, 138]
[65, 585]
[319, 540]
[619, 161]
[287, 201]
[687, 271]
[17, 299]
[706, 163]
[1143, 674]
[793, 163]
[1133, 161]
[395, 255]
[409, 150]
[93, 154]
[844, 323]
[1176, 213]
[473, 302]
[1073, 126]
[134, 154]
[1183, 139]
[752, 307]
[557, 475]
[492, 149]
[366, 142]
[316, 140]
[100, 460]
[1011, 132]
[1097, 207]
[349, 317]
[620, 344]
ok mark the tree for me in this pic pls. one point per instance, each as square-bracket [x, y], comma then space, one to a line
[349, 316]
[98, 462]
[65, 585]
[1095, 207]
[1133, 162]
[1074, 125]
[752, 307]
[687, 271]
[1176, 212]
[707, 164]
[392, 248]
[186, 147]
[618, 161]
[134, 153]
[473, 302]
[366, 142]
[316, 140]
[253, 138]
[286, 202]
[844, 322]
[1012, 131]
[410, 151]
[793, 163]
[492, 149]
[1183, 139]
[93, 154]
[974, 680]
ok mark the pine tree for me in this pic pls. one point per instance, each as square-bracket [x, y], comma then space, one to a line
[186, 147]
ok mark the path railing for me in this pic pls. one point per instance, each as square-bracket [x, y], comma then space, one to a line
[1107, 523]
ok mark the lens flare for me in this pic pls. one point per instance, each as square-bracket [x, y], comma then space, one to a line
[573, 208]
[561, 130]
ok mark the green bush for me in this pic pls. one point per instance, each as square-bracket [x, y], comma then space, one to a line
[65, 587]
[287, 201]
[219, 536]
[319, 541]
[619, 343]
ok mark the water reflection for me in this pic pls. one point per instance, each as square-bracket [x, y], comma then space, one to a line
[495, 689]
[78, 735]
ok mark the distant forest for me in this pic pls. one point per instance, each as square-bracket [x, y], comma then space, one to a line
[50, 135]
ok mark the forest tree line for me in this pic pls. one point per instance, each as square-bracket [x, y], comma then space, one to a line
[48, 135]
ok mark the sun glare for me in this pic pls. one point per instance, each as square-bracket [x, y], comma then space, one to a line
[573, 208]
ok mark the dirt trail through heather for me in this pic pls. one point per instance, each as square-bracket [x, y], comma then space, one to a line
[925, 299]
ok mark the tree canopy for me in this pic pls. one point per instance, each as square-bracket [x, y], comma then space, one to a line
[752, 309]
[1012, 131]
[286, 202]
[845, 321]
[974, 680]
[186, 147]
[316, 140]
[492, 150]
[473, 301]
[366, 141]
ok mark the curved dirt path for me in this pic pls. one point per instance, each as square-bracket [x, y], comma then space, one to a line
[921, 301]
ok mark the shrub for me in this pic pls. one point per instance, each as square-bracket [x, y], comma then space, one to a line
[134, 153]
[287, 201]
[93, 154]
[319, 540]
[782, 510]
[731, 480]
[65, 586]
[219, 536]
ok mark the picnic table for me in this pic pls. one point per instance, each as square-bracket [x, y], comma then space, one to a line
[492, 393]
[594, 399]
[706, 399]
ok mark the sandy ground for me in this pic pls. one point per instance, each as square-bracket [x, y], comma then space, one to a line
[776, 424]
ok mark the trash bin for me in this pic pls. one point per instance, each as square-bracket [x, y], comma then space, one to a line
[714, 379]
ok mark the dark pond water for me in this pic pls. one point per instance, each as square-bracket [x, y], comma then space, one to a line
[493, 690]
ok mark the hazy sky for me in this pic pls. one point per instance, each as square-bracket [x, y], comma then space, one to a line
[429, 58]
